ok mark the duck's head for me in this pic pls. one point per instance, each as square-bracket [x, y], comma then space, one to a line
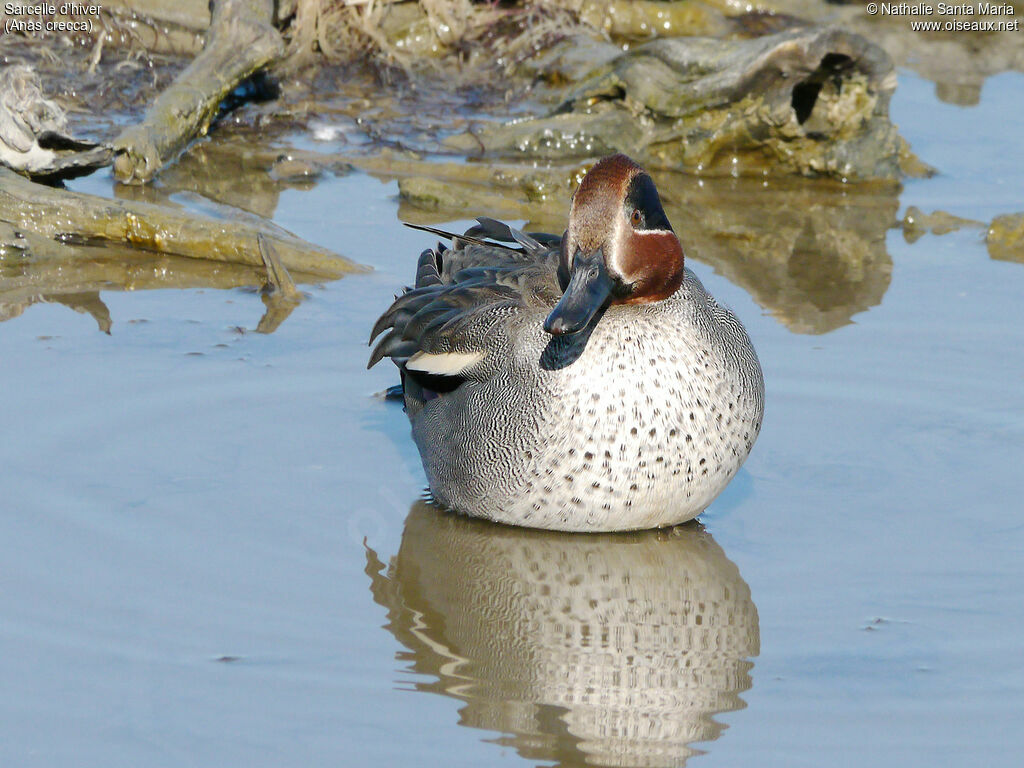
[619, 247]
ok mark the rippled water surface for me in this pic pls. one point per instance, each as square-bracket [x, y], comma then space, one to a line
[214, 551]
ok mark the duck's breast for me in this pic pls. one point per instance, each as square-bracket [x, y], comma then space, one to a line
[639, 421]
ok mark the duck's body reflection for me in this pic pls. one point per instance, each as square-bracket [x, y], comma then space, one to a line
[609, 649]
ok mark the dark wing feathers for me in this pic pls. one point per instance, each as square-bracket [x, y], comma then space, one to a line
[466, 331]
[405, 306]
[428, 319]
[427, 271]
[393, 346]
[463, 293]
[472, 235]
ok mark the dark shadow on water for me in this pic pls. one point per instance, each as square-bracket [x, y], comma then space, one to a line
[605, 649]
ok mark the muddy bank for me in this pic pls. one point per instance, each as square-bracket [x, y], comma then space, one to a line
[707, 86]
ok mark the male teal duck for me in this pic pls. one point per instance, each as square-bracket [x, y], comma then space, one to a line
[586, 382]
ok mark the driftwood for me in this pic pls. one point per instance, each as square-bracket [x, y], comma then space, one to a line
[163, 26]
[241, 41]
[74, 216]
[957, 63]
[805, 101]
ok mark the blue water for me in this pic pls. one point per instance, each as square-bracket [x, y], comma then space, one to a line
[188, 510]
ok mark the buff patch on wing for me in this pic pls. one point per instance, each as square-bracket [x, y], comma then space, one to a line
[445, 363]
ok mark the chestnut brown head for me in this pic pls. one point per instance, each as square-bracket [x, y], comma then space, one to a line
[619, 247]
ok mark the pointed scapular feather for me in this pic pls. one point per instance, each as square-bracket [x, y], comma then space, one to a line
[499, 230]
[380, 350]
[390, 318]
[383, 322]
[467, 237]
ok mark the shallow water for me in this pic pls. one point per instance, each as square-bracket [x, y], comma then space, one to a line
[214, 554]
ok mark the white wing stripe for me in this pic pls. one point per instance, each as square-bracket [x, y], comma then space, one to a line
[444, 364]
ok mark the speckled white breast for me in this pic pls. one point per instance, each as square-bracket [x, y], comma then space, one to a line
[640, 426]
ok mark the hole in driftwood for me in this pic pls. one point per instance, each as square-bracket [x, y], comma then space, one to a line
[805, 93]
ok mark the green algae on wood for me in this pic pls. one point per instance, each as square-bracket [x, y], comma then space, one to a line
[75, 216]
[806, 101]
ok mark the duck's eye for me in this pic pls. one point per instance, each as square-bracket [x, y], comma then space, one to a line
[636, 218]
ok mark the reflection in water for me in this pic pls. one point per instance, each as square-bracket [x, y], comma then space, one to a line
[612, 649]
[242, 172]
[811, 251]
[1005, 238]
[74, 275]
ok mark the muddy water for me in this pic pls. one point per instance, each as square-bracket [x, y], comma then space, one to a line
[214, 552]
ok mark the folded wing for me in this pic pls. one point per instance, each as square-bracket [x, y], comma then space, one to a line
[441, 331]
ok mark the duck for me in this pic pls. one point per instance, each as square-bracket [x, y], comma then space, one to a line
[586, 382]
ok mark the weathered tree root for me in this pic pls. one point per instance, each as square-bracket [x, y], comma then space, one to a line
[240, 42]
[74, 216]
[809, 101]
